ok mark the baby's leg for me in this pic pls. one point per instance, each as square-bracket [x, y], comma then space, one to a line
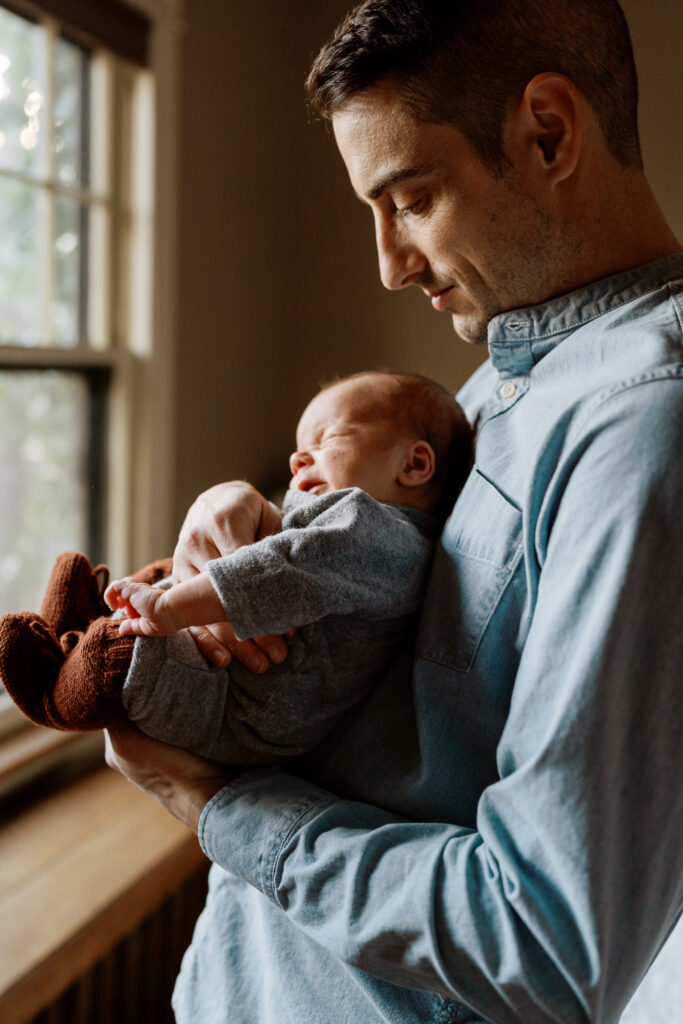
[174, 695]
[72, 682]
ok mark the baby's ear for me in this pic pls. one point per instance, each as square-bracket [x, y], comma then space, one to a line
[419, 464]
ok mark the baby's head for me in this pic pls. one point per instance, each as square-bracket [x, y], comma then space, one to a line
[400, 437]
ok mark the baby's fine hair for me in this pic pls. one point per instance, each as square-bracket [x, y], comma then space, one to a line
[429, 412]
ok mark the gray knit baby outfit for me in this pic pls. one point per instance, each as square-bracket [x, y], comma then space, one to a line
[349, 572]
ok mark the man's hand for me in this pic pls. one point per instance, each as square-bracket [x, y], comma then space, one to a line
[220, 521]
[180, 781]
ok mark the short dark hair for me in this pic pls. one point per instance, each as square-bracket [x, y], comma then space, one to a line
[428, 412]
[464, 62]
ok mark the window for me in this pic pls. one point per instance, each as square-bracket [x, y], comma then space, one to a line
[79, 348]
[53, 197]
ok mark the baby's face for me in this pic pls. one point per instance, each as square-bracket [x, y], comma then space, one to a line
[341, 444]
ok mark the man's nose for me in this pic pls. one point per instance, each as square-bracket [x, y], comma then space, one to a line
[297, 461]
[400, 261]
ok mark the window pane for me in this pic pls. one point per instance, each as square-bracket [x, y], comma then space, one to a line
[71, 114]
[22, 93]
[68, 317]
[43, 465]
[19, 264]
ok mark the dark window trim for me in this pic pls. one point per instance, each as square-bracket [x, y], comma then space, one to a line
[111, 23]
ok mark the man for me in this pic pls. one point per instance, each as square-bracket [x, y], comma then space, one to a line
[494, 835]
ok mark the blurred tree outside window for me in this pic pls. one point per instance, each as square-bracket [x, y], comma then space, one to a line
[42, 462]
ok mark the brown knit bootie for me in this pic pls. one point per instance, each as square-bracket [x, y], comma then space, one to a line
[154, 572]
[73, 683]
[73, 597]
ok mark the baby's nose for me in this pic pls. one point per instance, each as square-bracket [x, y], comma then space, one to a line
[297, 461]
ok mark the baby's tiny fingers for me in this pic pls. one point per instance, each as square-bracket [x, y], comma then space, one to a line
[126, 586]
[117, 593]
[111, 595]
[136, 626]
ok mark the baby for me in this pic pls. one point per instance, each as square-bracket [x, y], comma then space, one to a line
[380, 458]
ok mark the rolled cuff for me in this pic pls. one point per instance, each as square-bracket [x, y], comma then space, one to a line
[244, 826]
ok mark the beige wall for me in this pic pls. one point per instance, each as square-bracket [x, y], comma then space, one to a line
[657, 31]
[278, 285]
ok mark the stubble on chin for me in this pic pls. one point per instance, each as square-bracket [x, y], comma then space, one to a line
[472, 330]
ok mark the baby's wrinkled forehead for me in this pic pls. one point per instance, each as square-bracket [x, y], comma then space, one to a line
[361, 401]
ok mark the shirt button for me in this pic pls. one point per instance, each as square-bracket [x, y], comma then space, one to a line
[508, 389]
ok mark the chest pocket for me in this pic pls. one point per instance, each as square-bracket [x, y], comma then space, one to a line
[476, 556]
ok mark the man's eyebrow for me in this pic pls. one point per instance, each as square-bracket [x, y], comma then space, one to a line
[395, 178]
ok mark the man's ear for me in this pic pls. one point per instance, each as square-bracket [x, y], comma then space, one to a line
[418, 464]
[543, 134]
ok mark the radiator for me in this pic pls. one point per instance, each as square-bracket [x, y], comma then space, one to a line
[133, 983]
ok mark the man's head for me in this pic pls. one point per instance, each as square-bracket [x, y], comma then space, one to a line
[493, 140]
[465, 62]
[402, 438]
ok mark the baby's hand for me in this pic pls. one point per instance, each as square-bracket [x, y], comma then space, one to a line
[143, 607]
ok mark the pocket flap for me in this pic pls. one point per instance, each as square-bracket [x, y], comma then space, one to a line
[475, 558]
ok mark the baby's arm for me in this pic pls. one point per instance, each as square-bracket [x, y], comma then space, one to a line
[154, 612]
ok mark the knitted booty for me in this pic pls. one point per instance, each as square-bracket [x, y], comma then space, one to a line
[74, 593]
[73, 684]
[154, 572]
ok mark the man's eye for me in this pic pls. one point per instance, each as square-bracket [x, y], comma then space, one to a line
[402, 211]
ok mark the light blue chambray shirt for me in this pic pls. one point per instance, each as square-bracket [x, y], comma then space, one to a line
[495, 833]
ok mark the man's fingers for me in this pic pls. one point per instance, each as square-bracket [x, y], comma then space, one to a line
[219, 645]
[270, 522]
[274, 648]
[254, 654]
[249, 655]
[191, 554]
[215, 652]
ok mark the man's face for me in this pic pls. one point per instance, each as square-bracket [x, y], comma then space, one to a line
[474, 243]
[341, 442]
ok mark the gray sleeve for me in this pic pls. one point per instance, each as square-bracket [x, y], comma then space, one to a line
[342, 554]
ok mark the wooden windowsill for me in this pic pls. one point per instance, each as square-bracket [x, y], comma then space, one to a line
[29, 746]
[79, 870]
[31, 751]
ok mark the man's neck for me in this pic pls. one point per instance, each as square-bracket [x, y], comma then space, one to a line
[626, 229]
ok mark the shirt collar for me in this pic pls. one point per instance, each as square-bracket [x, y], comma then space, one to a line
[520, 338]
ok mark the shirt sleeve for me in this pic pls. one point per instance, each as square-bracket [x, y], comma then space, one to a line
[553, 907]
[347, 555]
